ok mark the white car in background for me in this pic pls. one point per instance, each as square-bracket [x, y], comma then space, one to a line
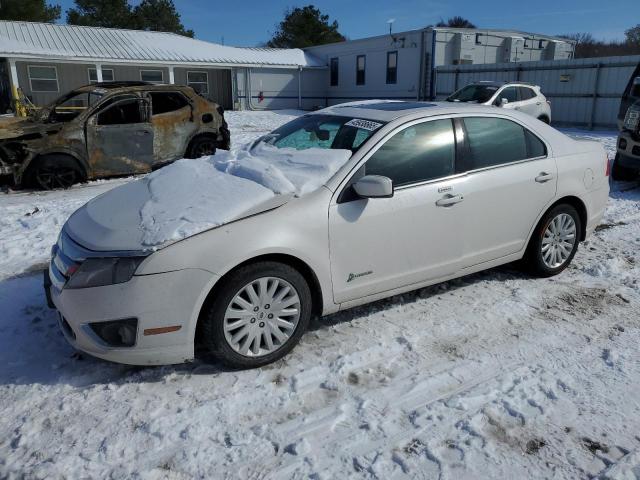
[337, 208]
[524, 97]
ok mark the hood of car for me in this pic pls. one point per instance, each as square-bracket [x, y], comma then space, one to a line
[25, 129]
[112, 222]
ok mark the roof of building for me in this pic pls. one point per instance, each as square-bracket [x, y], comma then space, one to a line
[30, 39]
[486, 31]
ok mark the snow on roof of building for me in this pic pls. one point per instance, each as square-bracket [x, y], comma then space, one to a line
[30, 39]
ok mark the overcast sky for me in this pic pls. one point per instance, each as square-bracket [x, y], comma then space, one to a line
[250, 22]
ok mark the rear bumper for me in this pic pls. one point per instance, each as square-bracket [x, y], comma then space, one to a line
[169, 299]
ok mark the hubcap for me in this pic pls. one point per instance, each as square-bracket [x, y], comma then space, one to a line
[558, 240]
[262, 316]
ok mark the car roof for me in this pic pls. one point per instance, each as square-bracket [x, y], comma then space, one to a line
[389, 110]
[495, 83]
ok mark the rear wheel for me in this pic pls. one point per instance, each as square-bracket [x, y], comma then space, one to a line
[554, 242]
[202, 146]
[54, 171]
[622, 173]
[258, 315]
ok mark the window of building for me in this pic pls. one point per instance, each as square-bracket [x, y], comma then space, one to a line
[478, 39]
[163, 102]
[199, 81]
[152, 76]
[541, 44]
[43, 78]
[422, 152]
[107, 75]
[392, 67]
[497, 141]
[360, 69]
[333, 63]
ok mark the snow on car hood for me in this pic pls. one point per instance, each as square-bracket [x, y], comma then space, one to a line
[191, 196]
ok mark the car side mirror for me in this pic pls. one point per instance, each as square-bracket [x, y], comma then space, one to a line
[374, 186]
[503, 102]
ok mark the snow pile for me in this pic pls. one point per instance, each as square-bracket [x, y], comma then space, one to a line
[191, 196]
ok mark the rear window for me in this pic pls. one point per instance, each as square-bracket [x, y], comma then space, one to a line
[163, 102]
[474, 94]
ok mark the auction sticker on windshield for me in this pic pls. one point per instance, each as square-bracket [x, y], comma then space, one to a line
[364, 124]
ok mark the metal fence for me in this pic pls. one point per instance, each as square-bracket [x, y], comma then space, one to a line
[584, 92]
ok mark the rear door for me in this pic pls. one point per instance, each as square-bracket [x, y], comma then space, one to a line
[120, 137]
[173, 124]
[511, 178]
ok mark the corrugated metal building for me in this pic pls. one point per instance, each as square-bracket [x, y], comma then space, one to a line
[401, 65]
[47, 60]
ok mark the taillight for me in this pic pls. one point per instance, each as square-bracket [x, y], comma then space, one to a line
[549, 102]
[607, 169]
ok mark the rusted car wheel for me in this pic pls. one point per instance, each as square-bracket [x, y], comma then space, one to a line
[54, 171]
[202, 147]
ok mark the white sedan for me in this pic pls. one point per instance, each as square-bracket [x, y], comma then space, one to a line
[335, 209]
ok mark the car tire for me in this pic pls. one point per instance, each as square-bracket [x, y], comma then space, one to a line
[49, 172]
[202, 146]
[551, 247]
[240, 332]
[621, 173]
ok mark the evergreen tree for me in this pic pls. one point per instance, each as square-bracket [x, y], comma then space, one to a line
[101, 13]
[305, 27]
[159, 16]
[29, 11]
[456, 22]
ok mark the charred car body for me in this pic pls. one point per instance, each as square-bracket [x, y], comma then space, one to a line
[110, 129]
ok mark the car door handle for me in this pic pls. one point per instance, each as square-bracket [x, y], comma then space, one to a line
[538, 103]
[143, 132]
[544, 177]
[449, 200]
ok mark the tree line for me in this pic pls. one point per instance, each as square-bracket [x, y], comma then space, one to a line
[155, 15]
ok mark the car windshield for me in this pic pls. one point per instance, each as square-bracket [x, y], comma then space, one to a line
[69, 106]
[323, 131]
[473, 93]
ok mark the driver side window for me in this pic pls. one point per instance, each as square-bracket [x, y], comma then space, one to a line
[510, 93]
[122, 111]
[421, 152]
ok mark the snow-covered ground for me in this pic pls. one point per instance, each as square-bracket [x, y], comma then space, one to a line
[496, 375]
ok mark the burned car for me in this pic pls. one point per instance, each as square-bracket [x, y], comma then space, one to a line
[110, 129]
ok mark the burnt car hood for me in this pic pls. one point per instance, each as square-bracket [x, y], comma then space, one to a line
[23, 127]
[111, 222]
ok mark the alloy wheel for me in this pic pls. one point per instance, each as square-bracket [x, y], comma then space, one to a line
[558, 240]
[55, 177]
[262, 316]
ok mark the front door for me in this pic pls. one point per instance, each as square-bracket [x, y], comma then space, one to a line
[377, 245]
[120, 137]
[511, 179]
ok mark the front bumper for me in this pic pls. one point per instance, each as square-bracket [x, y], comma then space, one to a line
[628, 149]
[156, 301]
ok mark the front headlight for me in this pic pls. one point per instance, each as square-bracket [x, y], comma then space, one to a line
[97, 272]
